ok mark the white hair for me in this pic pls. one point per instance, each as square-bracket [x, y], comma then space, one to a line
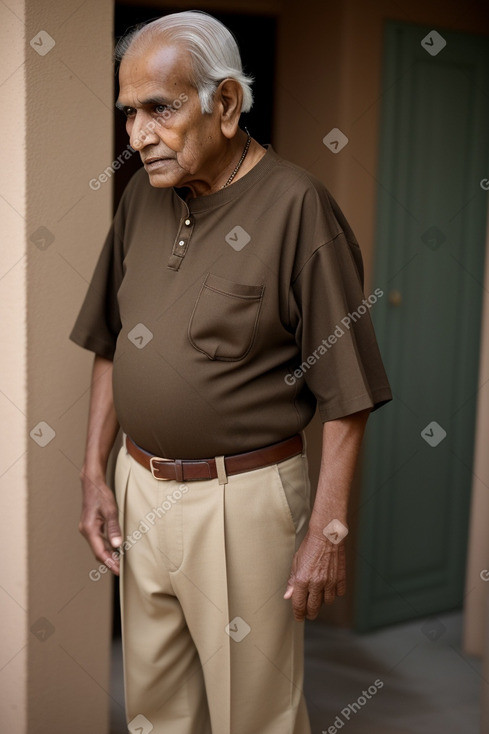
[213, 50]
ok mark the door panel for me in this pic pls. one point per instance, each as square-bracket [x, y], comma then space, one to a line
[430, 250]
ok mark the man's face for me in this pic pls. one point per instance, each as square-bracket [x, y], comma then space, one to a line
[177, 143]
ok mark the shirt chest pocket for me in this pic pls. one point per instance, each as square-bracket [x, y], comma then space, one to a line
[224, 319]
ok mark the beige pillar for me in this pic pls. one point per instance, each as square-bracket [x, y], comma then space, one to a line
[13, 398]
[56, 94]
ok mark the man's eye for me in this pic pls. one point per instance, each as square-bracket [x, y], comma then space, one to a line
[160, 108]
[129, 111]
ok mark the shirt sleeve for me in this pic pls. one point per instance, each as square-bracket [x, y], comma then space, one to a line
[98, 323]
[341, 362]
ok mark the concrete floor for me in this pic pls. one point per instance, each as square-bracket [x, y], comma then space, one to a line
[429, 686]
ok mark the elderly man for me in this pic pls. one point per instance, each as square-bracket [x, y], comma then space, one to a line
[226, 305]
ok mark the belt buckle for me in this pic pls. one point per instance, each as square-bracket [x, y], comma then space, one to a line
[157, 458]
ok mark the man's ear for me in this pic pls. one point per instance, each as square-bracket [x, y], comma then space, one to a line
[229, 98]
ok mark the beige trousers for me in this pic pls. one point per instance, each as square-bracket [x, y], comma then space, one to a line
[210, 645]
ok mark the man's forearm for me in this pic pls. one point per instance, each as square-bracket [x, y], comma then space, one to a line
[102, 423]
[341, 443]
[99, 519]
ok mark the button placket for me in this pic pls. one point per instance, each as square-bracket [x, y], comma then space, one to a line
[180, 246]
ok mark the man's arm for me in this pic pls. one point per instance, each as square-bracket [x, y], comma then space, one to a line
[319, 566]
[99, 520]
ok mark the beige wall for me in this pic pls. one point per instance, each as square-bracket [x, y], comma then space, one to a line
[57, 128]
[13, 395]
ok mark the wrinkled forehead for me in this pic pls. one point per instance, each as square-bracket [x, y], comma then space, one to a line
[154, 66]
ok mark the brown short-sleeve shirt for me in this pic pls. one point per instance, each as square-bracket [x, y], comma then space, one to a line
[231, 316]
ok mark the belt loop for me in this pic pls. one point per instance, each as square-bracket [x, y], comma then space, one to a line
[221, 470]
[178, 470]
[304, 443]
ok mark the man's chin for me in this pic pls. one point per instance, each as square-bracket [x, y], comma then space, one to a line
[162, 180]
[162, 174]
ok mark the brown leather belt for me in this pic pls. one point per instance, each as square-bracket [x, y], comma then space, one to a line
[186, 470]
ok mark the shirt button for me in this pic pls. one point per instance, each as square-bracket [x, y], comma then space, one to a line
[181, 243]
[187, 222]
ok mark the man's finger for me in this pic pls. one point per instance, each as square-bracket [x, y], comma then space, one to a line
[291, 579]
[341, 575]
[333, 568]
[331, 576]
[314, 600]
[99, 546]
[103, 552]
[341, 588]
[113, 564]
[299, 601]
[289, 592]
[114, 532]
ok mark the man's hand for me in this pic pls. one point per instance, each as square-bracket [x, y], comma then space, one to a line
[318, 573]
[99, 522]
[319, 566]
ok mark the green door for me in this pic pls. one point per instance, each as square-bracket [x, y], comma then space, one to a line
[430, 248]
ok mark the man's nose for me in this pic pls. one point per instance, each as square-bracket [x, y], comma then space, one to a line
[143, 131]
